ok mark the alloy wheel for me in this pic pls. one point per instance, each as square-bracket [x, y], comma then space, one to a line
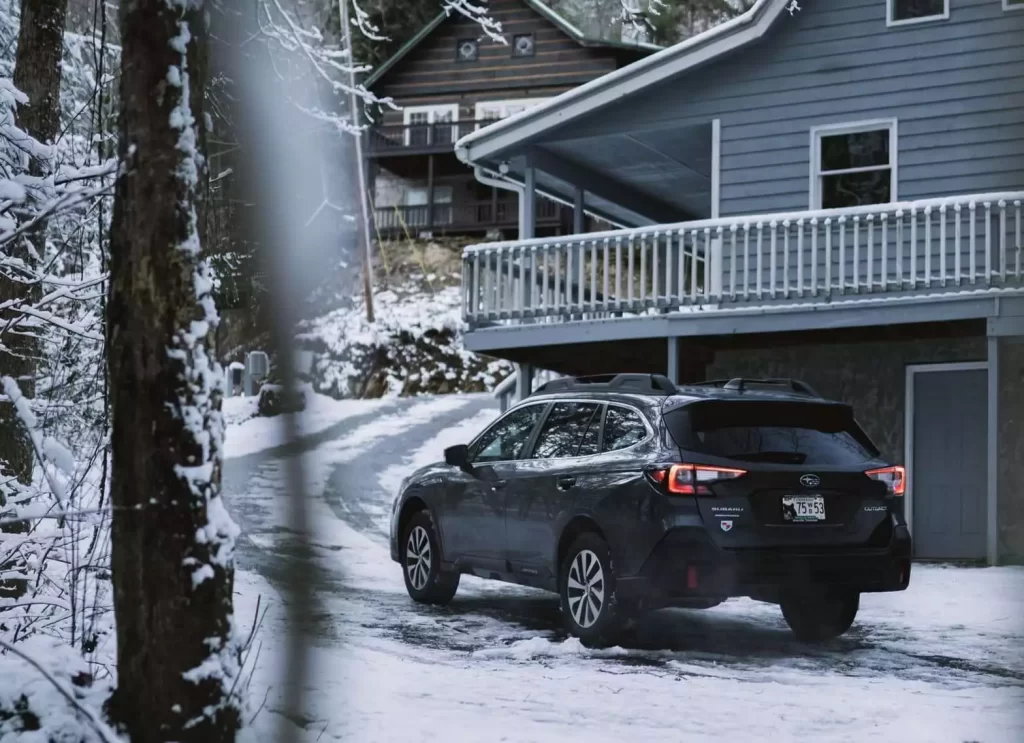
[417, 558]
[586, 588]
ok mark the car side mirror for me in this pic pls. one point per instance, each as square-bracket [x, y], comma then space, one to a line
[458, 456]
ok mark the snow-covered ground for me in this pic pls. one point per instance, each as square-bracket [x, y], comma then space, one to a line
[943, 661]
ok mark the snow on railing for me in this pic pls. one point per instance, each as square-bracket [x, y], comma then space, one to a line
[911, 247]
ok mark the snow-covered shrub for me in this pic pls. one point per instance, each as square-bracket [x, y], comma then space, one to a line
[413, 347]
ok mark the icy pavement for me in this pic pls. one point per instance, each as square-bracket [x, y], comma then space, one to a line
[941, 662]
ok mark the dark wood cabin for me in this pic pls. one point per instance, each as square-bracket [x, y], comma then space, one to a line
[450, 79]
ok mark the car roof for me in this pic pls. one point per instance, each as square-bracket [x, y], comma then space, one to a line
[659, 390]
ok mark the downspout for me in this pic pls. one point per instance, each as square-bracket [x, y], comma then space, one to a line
[488, 180]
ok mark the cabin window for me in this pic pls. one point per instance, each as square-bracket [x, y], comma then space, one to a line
[427, 125]
[853, 164]
[417, 201]
[522, 45]
[902, 12]
[467, 50]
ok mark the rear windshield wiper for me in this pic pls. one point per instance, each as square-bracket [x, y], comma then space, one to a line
[782, 457]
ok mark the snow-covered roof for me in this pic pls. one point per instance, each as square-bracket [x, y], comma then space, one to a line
[607, 89]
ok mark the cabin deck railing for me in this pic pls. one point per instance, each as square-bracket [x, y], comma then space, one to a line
[905, 249]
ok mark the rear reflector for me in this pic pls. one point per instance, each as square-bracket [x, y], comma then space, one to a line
[895, 478]
[691, 577]
[693, 479]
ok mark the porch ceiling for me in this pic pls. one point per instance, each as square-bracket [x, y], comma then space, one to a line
[640, 178]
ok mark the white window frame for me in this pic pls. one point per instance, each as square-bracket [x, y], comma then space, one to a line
[855, 127]
[431, 110]
[504, 104]
[1007, 5]
[890, 10]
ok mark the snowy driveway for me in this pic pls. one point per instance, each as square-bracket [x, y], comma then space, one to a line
[942, 662]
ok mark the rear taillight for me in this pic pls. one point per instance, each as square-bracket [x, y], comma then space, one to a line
[693, 479]
[895, 478]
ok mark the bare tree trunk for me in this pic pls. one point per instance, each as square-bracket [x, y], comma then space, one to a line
[172, 539]
[37, 74]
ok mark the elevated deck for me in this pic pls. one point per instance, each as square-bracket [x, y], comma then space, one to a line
[948, 260]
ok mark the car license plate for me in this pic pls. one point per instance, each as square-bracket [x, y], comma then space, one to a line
[801, 508]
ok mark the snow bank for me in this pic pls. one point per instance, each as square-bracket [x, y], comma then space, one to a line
[247, 433]
[413, 347]
[33, 708]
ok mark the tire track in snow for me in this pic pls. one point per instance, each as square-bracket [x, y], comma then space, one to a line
[361, 492]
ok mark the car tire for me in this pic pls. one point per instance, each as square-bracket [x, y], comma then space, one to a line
[818, 618]
[586, 583]
[420, 557]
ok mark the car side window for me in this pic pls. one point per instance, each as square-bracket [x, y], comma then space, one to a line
[505, 440]
[565, 432]
[622, 428]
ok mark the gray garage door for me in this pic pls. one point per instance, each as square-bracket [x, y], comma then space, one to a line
[949, 468]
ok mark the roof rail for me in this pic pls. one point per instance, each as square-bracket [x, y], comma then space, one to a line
[644, 384]
[741, 384]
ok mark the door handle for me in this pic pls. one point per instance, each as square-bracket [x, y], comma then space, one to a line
[564, 483]
[499, 484]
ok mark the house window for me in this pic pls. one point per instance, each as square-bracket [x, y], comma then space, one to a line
[1013, 4]
[467, 50]
[853, 165]
[522, 45]
[426, 125]
[416, 200]
[902, 12]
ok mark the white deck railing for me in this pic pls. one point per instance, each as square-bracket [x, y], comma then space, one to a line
[909, 248]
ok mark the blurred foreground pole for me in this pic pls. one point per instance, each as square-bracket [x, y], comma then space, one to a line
[354, 109]
[272, 93]
[172, 539]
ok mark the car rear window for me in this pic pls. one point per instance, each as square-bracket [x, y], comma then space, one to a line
[781, 432]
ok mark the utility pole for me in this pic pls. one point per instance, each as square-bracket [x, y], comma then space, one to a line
[353, 104]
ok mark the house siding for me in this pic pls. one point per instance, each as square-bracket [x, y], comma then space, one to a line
[956, 88]
[558, 62]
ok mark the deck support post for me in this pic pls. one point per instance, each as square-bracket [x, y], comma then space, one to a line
[430, 193]
[673, 360]
[578, 217]
[528, 214]
[524, 381]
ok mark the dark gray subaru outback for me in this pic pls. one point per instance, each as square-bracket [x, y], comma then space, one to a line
[626, 494]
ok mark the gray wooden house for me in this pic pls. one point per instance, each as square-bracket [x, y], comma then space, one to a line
[831, 192]
[451, 79]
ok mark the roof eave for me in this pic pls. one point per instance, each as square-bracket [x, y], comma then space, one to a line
[739, 31]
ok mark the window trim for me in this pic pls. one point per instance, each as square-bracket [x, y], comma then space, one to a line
[1010, 6]
[853, 127]
[550, 401]
[891, 22]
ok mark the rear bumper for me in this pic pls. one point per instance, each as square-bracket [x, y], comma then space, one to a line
[686, 567]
